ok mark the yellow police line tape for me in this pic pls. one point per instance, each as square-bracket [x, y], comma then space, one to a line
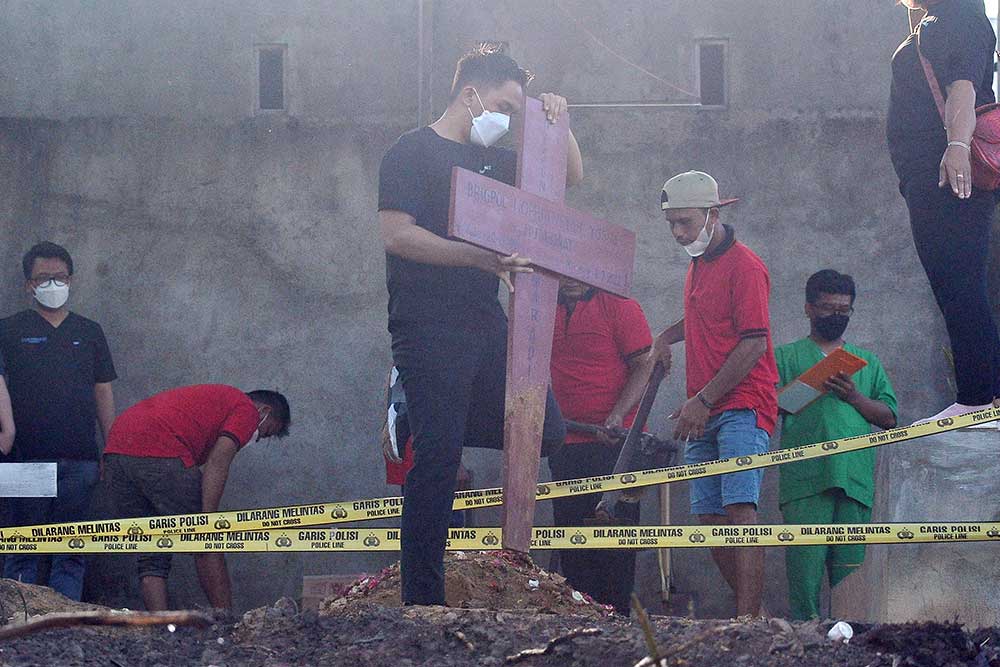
[472, 539]
[322, 514]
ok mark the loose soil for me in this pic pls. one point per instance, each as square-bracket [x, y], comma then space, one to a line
[490, 625]
[18, 602]
[480, 580]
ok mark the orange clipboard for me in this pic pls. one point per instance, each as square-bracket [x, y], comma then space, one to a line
[809, 386]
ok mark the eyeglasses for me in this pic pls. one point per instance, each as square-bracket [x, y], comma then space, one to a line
[833, 310]
[44, 279]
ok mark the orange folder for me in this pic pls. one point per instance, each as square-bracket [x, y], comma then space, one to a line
[806, 388]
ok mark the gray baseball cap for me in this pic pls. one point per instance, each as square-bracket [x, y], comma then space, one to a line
[692, 189]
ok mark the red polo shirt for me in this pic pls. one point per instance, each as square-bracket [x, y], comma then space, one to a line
[590, 353]
[184, 423]
[726, 300]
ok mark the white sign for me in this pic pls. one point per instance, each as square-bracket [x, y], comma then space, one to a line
[27, 480]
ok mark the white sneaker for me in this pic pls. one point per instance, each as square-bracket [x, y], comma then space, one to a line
[986, 426]
[957, 410]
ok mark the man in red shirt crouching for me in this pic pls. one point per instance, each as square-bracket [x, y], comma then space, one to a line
[152, 459]
[599, 350]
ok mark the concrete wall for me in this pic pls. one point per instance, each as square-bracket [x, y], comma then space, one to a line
[939, 479]
[196, 60]
[218, 246]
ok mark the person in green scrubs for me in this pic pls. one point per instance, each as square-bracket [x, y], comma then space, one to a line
[832, 489]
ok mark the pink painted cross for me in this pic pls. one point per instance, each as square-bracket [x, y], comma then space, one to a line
[532, 220]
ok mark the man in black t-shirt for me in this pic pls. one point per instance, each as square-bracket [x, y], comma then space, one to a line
[59, 372]
[448, 330]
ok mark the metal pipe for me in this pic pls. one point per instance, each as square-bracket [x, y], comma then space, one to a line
[425, 59]
[420, 62]
[629, 105]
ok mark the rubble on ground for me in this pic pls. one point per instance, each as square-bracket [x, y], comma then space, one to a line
[362, 631]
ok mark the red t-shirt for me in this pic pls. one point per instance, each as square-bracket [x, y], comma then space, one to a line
[590, 354]
[395, 473]
[184, 423]
[725, 301]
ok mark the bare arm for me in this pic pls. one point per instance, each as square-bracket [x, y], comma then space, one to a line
[661, 346]
[555, 105]
[673, 334]
[212, 571]
[960, 110]
[402, 237]
[960, 122]
[638, 374]
[693, 415]
[104, 397]
[6, 420]
[215, 472]
[736, 367]
[874, 411]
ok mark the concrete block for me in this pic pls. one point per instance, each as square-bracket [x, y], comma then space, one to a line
[951, 477]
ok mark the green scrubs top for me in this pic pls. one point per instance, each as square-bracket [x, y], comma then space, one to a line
[829, 418]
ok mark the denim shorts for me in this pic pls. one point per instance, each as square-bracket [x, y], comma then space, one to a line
[729, 434]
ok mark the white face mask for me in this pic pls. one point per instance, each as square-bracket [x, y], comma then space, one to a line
[52, 294]
[256, 432]
[488, 127]
[698, 247]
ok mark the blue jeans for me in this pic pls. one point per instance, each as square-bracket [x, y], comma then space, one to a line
[728, 435]
[75, 481]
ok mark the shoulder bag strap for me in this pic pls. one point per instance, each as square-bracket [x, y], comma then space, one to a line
[931, 79]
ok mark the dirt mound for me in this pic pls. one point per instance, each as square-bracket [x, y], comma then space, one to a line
[444, 637]
[19, 602]
[448, 637]
[497, 580]
[529, 627]
[364, 633]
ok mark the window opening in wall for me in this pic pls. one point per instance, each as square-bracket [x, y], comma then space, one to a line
[712, 72]
[271, 77]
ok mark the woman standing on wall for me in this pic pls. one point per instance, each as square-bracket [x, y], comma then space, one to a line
[950, 219]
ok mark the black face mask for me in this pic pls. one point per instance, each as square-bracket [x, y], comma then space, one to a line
[831, 327]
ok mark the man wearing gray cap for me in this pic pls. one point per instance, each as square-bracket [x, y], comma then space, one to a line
[732, 405]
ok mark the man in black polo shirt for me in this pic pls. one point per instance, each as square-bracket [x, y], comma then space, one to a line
[448, 330]
[59, 371]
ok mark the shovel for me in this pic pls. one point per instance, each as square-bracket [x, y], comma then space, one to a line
[622, 507]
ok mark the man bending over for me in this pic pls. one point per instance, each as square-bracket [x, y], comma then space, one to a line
[170, 454]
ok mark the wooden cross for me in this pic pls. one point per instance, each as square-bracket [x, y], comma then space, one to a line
[531, 219]
[27, 480]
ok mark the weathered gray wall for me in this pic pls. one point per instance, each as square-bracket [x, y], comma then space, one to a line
[217, 246]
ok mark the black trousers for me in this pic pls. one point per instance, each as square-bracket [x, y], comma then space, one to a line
[607, 575]
[952, 237]
[454, 379]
